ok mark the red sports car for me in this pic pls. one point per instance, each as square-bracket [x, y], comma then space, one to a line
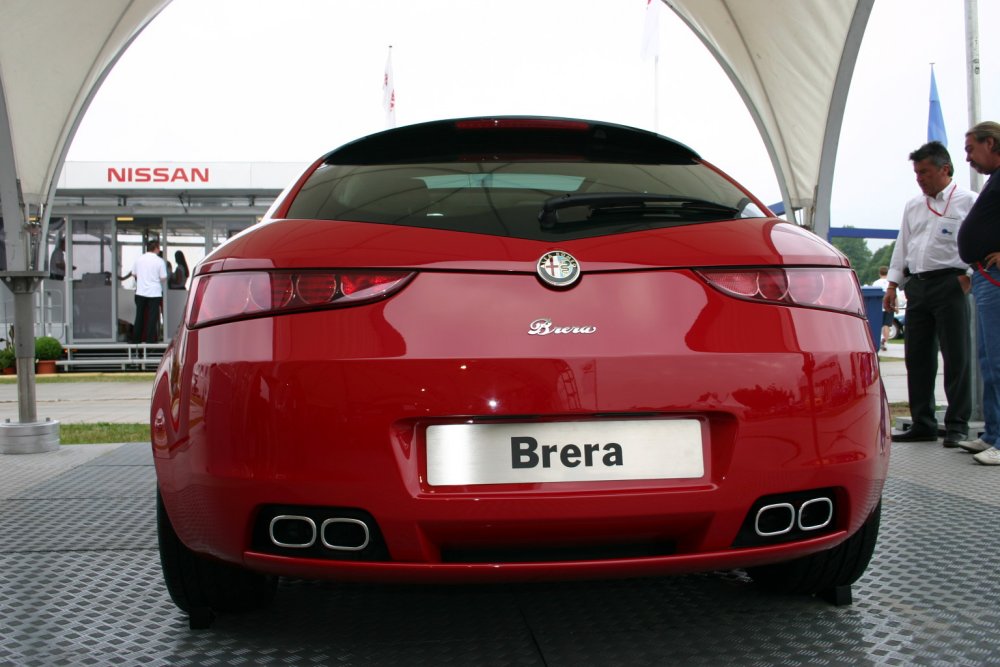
[517, 348]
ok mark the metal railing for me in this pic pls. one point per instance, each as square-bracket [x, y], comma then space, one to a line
[113, 356]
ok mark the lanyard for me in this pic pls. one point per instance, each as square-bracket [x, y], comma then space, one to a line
[927, 200]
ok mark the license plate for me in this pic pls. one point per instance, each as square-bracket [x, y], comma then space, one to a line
[464, 454]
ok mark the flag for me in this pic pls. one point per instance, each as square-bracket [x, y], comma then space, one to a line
[651, 30]
[935, 120]
[389, 93]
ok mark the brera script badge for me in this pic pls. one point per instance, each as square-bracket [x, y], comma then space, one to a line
[558, 268]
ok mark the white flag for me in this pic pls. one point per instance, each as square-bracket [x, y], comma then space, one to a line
[651, 30]
[389, 93]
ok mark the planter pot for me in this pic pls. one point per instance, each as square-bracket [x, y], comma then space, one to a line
[45, 367]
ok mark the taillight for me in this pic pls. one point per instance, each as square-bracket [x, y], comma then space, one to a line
[833, 289]
[238, 295]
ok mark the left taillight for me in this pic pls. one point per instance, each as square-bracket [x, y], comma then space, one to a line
[832, 289]
[235, 295]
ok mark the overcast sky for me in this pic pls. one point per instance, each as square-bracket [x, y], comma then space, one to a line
[263, 80]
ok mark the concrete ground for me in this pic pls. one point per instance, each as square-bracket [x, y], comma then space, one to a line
[80, 584]
[84, 402]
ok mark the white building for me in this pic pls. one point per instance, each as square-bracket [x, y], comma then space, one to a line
[104, 214]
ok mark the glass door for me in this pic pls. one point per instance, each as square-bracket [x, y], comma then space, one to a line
[89, 263]
[185, 247]
[131, 237]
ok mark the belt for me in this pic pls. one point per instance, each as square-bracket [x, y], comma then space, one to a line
[937, 273]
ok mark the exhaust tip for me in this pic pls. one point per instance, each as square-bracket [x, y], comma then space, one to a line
[345, 534]
[322, 532]
[785, 517]
[815, 514]
[292, 531]
[776, 519]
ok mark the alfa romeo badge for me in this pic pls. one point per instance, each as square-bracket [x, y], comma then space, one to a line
[558, 268]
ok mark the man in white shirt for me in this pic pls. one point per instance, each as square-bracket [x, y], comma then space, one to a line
[937, 311]
[150, 272]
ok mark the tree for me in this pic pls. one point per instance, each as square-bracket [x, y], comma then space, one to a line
[882, 256]
[859, 255]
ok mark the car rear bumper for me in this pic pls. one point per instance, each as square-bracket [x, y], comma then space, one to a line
[566, 570]
[217, 481]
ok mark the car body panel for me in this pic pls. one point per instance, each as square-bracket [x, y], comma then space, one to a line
[269, 395]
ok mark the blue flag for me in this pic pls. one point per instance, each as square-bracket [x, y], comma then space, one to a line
[935, 120]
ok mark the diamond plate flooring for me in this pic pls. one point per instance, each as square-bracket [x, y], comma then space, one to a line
[80, 584]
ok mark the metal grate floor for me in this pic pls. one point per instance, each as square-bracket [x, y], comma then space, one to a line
[80, 584]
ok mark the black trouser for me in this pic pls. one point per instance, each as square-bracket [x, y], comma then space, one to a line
[937, 316]
[147, 319]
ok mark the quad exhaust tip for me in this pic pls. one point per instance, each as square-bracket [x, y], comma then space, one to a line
[781, 518]
[293, 531]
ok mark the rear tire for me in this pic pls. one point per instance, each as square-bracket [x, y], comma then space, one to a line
[198, 584]
[820, 572]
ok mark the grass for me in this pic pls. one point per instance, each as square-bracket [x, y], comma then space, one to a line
[67, 378]
[901, 409]
[89, 434]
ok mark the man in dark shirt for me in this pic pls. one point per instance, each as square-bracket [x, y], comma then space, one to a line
[979, 245]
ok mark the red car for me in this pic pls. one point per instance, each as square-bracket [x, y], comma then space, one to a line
[517, 348]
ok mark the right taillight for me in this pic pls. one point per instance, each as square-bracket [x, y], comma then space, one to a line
[832, 289]
[223, 297]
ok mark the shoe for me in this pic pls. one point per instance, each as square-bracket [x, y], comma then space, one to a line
[988, 457]
[910, 436]
[974, 446]
[951, 443]
[884, 348]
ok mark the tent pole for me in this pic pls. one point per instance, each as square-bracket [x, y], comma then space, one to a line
[19, 273]
[972, 58]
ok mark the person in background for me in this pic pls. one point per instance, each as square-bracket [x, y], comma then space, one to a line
[150, 273]
[979, 245]
[57, 262]
[937, 311]
[887, 315]
[178, 279]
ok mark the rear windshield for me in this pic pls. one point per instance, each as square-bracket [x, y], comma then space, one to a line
[538, 197]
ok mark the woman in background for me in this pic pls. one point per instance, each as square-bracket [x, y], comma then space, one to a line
[179, 276]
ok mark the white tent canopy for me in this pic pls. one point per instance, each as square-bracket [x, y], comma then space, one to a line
[53, 56]
[791, 60]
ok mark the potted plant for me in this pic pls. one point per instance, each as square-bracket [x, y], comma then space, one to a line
[47, 351]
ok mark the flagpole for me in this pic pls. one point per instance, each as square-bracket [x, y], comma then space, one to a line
[651, 47]
[389, 92]
[656, 93]
[972, 58]
[975, 184]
